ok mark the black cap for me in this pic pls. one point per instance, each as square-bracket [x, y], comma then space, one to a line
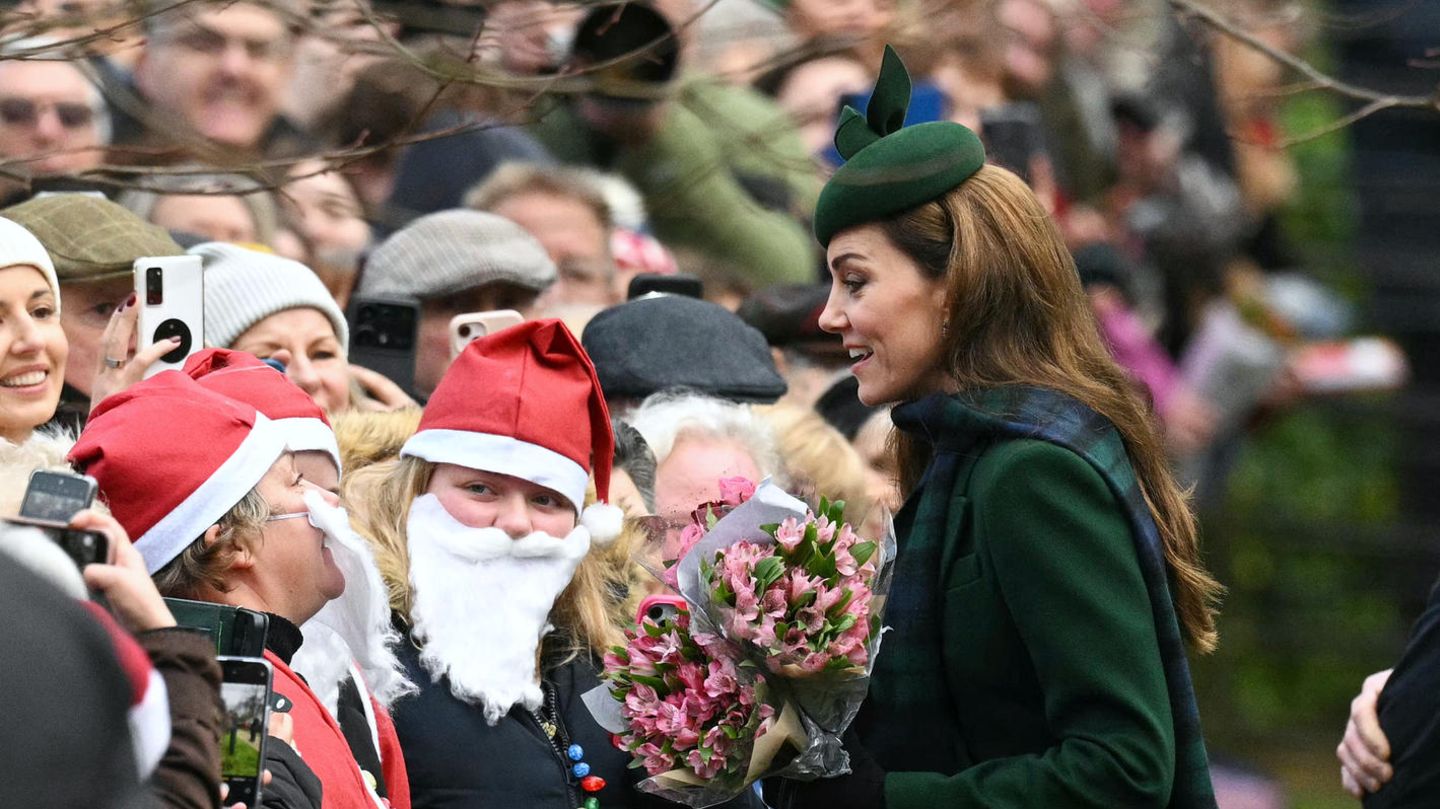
[842, 409]
[789, 317]
[629, 51]
[671, 341]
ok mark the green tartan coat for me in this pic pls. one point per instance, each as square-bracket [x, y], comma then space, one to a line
[1037, 678]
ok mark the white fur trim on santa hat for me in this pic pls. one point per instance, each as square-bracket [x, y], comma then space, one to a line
[222, 489]
[311, 434]
[603, 521]
[503, 455]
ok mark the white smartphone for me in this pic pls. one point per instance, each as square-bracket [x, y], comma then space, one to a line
[170, 291]
[467, 328]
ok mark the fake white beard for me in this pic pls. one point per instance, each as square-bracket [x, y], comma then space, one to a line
[482, 603]
[356, 626]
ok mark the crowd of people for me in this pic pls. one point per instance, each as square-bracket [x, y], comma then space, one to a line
[1022, 324]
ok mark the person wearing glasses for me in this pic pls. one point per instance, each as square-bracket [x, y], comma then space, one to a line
[52, 118]
[211, 495]
[213, 74]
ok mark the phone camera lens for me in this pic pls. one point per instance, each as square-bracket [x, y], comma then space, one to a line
[465, 330]
[154, 286]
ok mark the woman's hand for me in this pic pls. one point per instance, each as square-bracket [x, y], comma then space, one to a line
[1364, 752]
[120, 365]
[282, 727]
[124, 581]
[382, 395]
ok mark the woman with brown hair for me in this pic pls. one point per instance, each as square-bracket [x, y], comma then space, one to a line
[1047, 578]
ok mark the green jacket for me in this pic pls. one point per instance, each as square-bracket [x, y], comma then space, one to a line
[726, 176]
[1054, 692]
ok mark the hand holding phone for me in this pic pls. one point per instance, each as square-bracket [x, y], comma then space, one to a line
[170, 294]
[118, 366]
[120, 574]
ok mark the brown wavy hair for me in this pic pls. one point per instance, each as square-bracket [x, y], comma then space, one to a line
[587, 617]
[1016, 315]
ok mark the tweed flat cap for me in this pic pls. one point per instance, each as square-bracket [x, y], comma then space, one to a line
[672, 341]
[90, 238]
[452, 251]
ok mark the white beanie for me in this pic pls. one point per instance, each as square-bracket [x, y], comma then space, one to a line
[19, 247]
[452, 251]
[243, 287]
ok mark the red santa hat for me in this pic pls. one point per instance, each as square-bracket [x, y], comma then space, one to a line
[244, 378]
[171, 458]
[525, 402]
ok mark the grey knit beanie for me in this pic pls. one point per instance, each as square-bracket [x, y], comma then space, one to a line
[243, 287]
[452, 251]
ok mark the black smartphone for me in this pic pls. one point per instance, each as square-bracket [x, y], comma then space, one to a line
[56, 497]
[647, 284]
[1013, 136]
[245, 691]
[82, 546]
[383, 335]
[235, 630]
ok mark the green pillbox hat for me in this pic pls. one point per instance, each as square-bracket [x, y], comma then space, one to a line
[89, 237]
[890, 169]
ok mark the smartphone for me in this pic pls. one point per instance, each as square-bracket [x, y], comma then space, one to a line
[383, 337]
[84, 547]
[467, 328]
[56, 497]
[245, 688]
[1013, 136]
[235, 630]
[649, 284]
[170, 291]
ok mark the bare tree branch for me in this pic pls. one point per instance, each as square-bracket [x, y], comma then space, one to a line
[1374, 101]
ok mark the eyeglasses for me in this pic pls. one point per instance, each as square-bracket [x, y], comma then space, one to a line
[26, 112]
[292, 515]
[213, 43]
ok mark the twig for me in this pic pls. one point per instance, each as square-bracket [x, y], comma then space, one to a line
[1376, 100]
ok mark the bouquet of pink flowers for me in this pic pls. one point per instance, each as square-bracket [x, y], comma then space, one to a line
[802, 601]
[769, 660]
[692, 712]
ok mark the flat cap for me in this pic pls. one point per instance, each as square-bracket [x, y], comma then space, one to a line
[672, 341]
[90, 238]
[452, 251]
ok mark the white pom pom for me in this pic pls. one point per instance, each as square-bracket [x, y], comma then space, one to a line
[603, 521]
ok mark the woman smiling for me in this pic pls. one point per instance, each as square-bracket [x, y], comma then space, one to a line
[32, 346]
[1047, 577]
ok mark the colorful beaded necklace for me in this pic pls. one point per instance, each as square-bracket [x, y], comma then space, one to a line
[579, 769]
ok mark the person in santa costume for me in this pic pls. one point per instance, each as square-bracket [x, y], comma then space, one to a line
[208, 489]
[346, 656]
[482, 531]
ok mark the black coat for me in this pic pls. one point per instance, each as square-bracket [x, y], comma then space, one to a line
[1409, 710]
[457, 761]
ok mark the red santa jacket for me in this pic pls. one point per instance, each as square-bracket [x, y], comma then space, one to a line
[321, 745]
